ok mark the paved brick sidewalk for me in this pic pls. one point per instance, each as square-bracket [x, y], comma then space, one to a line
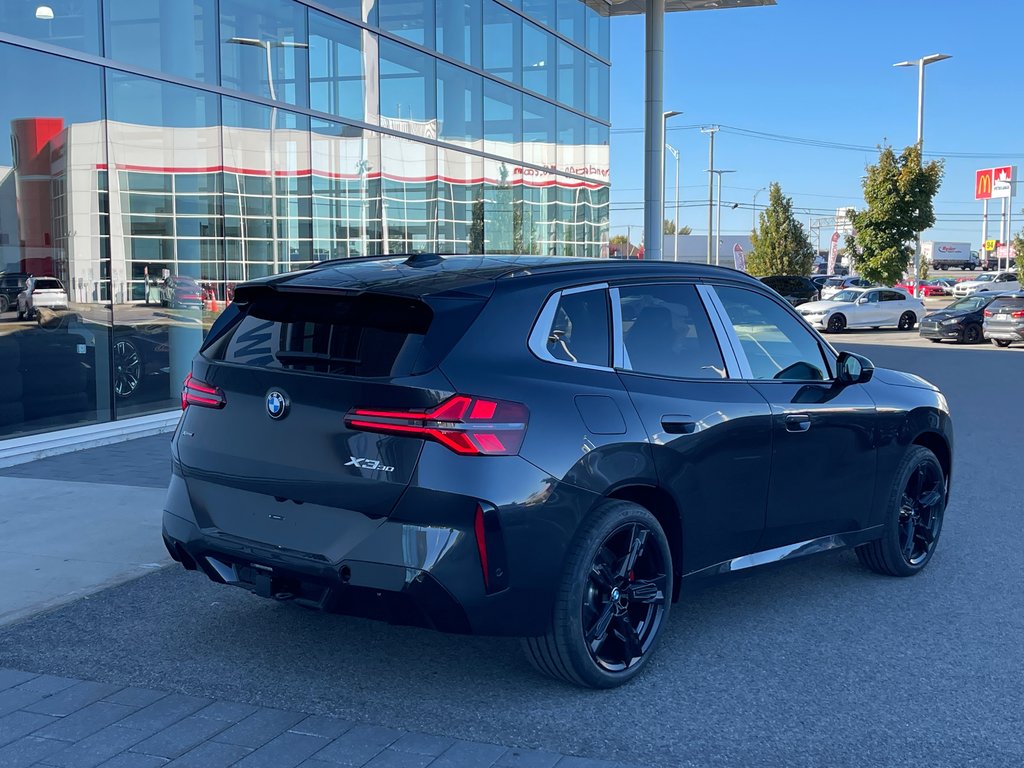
[68, 723]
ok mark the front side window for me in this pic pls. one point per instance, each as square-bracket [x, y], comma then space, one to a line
[579, 330]
[776, 344]
[666, 332]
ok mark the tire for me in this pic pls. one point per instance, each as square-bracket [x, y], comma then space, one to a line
[972, 334]
[934, 341]
[593, 599]
[1001, 343]
[914, 509]
[5, 304]
[907, 321]
[836, 323]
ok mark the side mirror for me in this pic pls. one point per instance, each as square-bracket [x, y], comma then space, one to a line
[862, 300]
[853, 369]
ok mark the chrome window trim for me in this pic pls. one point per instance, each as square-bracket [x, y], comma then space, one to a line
[537, 341]
[723, 327]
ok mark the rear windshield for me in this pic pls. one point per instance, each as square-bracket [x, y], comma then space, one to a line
[835, 281]
[368, 335]
[48, 284]
[1007, 302]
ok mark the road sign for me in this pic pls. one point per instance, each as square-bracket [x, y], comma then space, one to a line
[994, 182]
[1002, 181]
[990, 244]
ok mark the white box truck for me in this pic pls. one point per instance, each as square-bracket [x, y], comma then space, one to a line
[945, 255]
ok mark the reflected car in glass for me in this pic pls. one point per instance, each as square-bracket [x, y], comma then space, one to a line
[11, 284]
[41, 293]
[538, 447]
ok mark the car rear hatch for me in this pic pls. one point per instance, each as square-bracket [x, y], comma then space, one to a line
[265, 447]
[48, 293]
[1005, 314]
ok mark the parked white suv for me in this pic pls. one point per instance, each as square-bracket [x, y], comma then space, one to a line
[40, 292]
[990, 282]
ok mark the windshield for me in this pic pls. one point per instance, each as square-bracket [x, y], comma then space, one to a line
[969, 303]
[847, 295]
[985, 278]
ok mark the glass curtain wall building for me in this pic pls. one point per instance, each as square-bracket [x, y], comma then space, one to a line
[161, 152]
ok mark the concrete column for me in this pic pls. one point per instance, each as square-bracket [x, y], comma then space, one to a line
[654, 131]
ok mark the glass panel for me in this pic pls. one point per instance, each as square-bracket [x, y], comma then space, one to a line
[571, 142]
[409, 196]
[461, 211]
[538, 132]
[459, 105]
[598, 33]
[155, 129]
[572, 20]
[54, 345]
[336, 72]
[542, 11]
[263, 49]
[179, 38]
[539, 214]
[777, 345]
[503, 209]
[346, 191]
[503, 120]
[572, 72]
[538, 60]
[579, 332]
[406, 88]
[459, 30]
[360, 10]
[503, 42]
[666, 332]
[411, 19]
[597, 88]
[597, 151]
[69, 23]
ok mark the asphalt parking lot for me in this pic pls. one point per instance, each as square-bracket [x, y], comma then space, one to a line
[814, 663]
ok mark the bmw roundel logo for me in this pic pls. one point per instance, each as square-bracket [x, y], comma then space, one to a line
[277, 404]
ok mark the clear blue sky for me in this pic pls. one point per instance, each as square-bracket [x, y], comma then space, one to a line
[821, 70]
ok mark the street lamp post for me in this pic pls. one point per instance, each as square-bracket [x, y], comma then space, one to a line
[718, 233]
[675, 244]
[267, 45]
[920, 64]
[753, 214]
[664, 119]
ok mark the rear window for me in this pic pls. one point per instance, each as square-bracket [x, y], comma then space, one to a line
[835, 282]
[48, 284]
[1007, 302]
[368, 335]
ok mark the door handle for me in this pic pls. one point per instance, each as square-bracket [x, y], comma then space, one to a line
[677, 424]
[798, 422]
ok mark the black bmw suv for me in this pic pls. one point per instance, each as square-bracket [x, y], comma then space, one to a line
[538, 447]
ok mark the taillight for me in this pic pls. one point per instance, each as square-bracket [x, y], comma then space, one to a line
[196, 392]
[1018, 314]
[471, 426]
[988, 313]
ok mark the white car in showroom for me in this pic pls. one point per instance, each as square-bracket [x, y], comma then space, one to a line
[990, 282]
[864, 308]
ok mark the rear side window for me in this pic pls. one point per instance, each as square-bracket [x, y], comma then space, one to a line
[368, 335]
[666, 332]
[579, 329]
[1009, 303]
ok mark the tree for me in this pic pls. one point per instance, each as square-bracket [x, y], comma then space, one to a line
[779, 246]
[899, 191]
[1018, 248]
[670, 228]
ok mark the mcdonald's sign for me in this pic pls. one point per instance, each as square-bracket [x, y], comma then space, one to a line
[983, 184]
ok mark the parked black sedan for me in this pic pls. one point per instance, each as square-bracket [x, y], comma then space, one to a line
[539, 447]
[961, 321]
[793, 288]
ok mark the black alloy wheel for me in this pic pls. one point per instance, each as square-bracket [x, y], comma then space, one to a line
[917, 507]
[614, 600]
[127, 368]
[837, 324]
[907, 321]
[971, 334]
[1001, 343]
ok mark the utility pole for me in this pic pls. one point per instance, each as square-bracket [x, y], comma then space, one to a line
[711, 130]
[675, 244]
